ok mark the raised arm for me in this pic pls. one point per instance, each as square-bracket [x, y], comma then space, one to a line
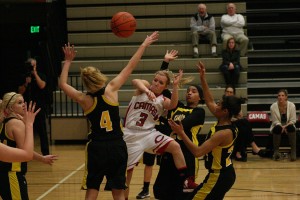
[40, 82]
[70, 91]
[169, 56]
[209, 100]
[169, 105]
[115, 84]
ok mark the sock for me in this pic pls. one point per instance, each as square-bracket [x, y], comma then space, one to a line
[146, 186]
[213, 49]
[182, 172]
[196, 50]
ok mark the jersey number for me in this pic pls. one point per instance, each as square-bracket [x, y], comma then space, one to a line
[143, 117]
[105, 121]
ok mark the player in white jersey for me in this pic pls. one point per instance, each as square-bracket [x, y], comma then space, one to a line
[140, 107]
[144, 110]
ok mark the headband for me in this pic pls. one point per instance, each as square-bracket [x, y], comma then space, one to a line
[10, 99]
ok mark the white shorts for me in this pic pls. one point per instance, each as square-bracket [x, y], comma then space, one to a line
[140, 141]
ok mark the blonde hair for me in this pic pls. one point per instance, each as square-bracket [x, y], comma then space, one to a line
[170, 76]
[8, 100]
[92, 79]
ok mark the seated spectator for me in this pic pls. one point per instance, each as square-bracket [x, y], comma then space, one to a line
[283, 114]
[232, 26]
[203, 26]
[245, 135]
[231, 66]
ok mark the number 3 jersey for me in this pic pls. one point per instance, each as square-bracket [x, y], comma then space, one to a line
[143, 113]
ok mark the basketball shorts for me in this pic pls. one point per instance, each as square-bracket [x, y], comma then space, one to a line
[13, 186]
[140, 141]
[105, 158]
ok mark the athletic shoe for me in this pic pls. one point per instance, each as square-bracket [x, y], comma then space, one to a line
[189, 185]
[143, 195]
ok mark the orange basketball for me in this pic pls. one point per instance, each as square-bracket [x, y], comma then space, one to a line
[123, 24]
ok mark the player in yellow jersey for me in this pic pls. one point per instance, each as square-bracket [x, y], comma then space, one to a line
[218, 146]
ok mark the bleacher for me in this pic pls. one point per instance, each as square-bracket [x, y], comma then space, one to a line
[89, 30]
[274, 30]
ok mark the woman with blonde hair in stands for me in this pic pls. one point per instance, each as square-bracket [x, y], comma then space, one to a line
[283, 115]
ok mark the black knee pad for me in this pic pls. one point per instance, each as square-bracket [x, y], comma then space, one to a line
[148, 159]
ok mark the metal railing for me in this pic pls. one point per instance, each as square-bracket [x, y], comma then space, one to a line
[63, 106]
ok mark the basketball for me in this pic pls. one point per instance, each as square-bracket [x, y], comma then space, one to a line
[123, 24]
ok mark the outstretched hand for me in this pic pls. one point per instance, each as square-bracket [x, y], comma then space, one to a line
[150, 39]
[49, 159]
[69, 52]
[30, 114]
[172, 55]
[201, 69]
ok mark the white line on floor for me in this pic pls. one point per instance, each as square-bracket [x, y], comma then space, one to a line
[60, 182]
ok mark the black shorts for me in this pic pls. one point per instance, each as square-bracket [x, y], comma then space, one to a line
[106, 158]
[13, 184]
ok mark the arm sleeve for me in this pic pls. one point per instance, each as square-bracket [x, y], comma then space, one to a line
[292, 110]
[224, 21]
[164, 65]
[212, 24]
[274, 117]
[194, 26]
[225, 58]
[236, 60]
[240, 23]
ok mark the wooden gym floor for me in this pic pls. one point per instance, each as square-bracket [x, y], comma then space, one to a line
[258, 178]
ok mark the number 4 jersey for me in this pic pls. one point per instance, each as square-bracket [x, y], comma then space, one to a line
[104, 118]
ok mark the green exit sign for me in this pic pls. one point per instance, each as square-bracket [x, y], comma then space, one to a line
[34, 29]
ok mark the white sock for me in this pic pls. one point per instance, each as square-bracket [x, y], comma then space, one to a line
[213, 49]
[196, 50]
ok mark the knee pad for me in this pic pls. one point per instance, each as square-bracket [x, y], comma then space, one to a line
[148, 159]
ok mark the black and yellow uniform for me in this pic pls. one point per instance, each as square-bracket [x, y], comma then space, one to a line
[168, 184]
[12, 175]
[192, 120]
[106, 149]
[221, 175]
